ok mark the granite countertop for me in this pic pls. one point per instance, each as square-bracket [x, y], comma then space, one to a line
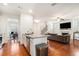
[36, 36]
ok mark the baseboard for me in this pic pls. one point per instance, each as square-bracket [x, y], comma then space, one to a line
[26, 49]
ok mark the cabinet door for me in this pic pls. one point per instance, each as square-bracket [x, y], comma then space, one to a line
[28, 44]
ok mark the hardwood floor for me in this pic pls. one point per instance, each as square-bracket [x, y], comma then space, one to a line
[13, 49]
[60, 49]
[54, 49]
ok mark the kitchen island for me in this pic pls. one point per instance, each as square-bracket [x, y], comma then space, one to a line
[33, 40]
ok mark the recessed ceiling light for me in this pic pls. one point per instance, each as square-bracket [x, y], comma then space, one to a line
[30, 10]
[36, 20]
[5, 4]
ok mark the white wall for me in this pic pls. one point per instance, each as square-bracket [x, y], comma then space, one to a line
[3, 25]
[38, 26]
[26, 25]
[50, 27]
[4, 30]
[53, 26]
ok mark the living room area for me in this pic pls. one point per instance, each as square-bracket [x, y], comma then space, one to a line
[43, 29]
[63, 41]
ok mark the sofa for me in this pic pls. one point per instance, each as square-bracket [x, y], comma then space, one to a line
[59, 38]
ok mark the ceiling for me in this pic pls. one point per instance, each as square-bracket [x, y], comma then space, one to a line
[46, 10]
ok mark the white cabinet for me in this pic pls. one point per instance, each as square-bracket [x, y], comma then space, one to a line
[34, 41]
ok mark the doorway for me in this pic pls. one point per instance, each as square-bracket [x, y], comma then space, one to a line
[12, 28]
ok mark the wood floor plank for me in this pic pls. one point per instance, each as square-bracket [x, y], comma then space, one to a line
[13, 49]
[61, 49]
[54, 49]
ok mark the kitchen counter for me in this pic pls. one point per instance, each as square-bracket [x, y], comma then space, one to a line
[36, 36]
[33, 40]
